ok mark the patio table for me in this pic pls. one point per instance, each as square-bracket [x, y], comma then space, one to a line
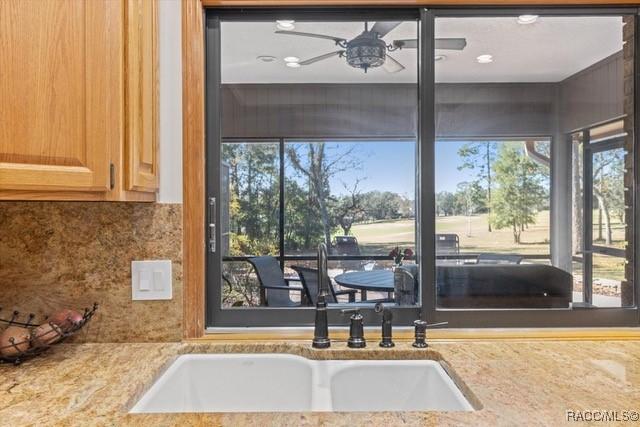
[375, 280]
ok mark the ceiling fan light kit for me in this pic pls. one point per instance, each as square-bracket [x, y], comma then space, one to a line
[366, 51]
[485, 59]
[527, 19]
[285, 24]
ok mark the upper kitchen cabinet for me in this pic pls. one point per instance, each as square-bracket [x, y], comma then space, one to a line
[141, 96]
[78, 111]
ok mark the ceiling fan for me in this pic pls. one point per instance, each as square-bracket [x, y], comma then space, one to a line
[368, 50]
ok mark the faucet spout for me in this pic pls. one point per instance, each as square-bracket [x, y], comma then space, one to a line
[321, 328]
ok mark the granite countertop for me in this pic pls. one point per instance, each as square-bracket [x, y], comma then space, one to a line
[513, 383]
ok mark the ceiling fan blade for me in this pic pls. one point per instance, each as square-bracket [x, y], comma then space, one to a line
[384, 27]
[322, 57]
[391, 65]
[445, 44]
[451, 44]
[406, 44]
[317, 36]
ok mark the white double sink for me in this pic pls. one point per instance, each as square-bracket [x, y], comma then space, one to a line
[287, 383]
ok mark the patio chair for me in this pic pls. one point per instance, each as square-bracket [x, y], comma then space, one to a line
[405, 284]
[309, 279]
[491, 258]
[274, 287]
[347, 246]
[447, 244]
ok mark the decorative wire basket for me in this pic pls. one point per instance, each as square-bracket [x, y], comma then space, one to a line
[36, 344]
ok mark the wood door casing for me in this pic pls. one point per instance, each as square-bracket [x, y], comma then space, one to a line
[141, 122]
[57, 100]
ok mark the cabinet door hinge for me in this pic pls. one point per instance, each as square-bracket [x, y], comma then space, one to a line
[112, 176]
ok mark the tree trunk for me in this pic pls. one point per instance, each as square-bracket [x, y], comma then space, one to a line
[600, 213]
[516, 233]
[599, 223]
[324, 216]
[604, 207]
[488, 156]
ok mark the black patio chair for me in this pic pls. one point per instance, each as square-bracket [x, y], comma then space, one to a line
[447, 244]
[309, 279]
[491, 258]
[347, 246]
[274, 287]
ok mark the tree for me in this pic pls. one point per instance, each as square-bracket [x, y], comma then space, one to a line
[576, 184]
[519, 192]
[446, 204]
[254, 196]
[302, 230]
[379, 205]
[470, 197]
[608, 189]
[479, 156]
[318, 164]
[349, 208]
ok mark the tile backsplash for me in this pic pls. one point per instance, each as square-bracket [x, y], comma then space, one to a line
[69, 254]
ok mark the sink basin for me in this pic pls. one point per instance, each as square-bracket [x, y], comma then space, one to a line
[393, 385]
[287, 383]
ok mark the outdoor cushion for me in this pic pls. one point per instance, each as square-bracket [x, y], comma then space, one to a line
[503, 286]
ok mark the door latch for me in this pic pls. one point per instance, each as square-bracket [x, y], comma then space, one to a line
[212, 224]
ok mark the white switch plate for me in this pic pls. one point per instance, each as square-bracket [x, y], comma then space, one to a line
[151, 280]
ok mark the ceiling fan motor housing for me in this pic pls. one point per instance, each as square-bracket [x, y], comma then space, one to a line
[366, 51]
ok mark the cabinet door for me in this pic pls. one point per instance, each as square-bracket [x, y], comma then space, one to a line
[59, 103]
[141, 96]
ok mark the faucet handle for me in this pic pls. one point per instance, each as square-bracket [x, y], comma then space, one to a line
[356, 329]
[421, 332]
[387, 317]
[437, 325]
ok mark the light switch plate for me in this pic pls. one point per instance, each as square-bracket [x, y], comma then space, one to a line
[151, 280]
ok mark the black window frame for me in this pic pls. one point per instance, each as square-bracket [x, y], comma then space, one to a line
[525, 318]
[216, 316]
[425, 214]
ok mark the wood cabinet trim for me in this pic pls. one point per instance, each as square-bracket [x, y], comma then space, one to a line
[193, 151]
[141, 96]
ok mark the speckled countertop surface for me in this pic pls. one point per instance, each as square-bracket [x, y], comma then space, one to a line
[514, 383]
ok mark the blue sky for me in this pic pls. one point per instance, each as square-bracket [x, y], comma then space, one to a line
[390, 166]
[447, 161]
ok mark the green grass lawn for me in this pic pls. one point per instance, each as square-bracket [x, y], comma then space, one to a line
[385, 235]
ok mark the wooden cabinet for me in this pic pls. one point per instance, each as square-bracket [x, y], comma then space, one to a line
[141, 94]
[78, 110]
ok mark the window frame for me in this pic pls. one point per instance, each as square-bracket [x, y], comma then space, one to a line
[215, 315]
[425, 214]
[525, 318]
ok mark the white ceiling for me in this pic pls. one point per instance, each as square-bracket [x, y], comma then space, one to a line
[549, 50]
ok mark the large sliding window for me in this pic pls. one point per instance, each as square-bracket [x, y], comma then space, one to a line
[534, 169]
[316, 142]
[470, 166]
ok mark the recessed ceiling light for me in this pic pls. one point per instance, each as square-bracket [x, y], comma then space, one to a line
[293, 64]
[439, 58]
[484, 59]
[527, 19]
[291, 59]
[285, 24]
[266, 58]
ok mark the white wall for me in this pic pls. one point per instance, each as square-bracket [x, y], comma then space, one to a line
[170, 94]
